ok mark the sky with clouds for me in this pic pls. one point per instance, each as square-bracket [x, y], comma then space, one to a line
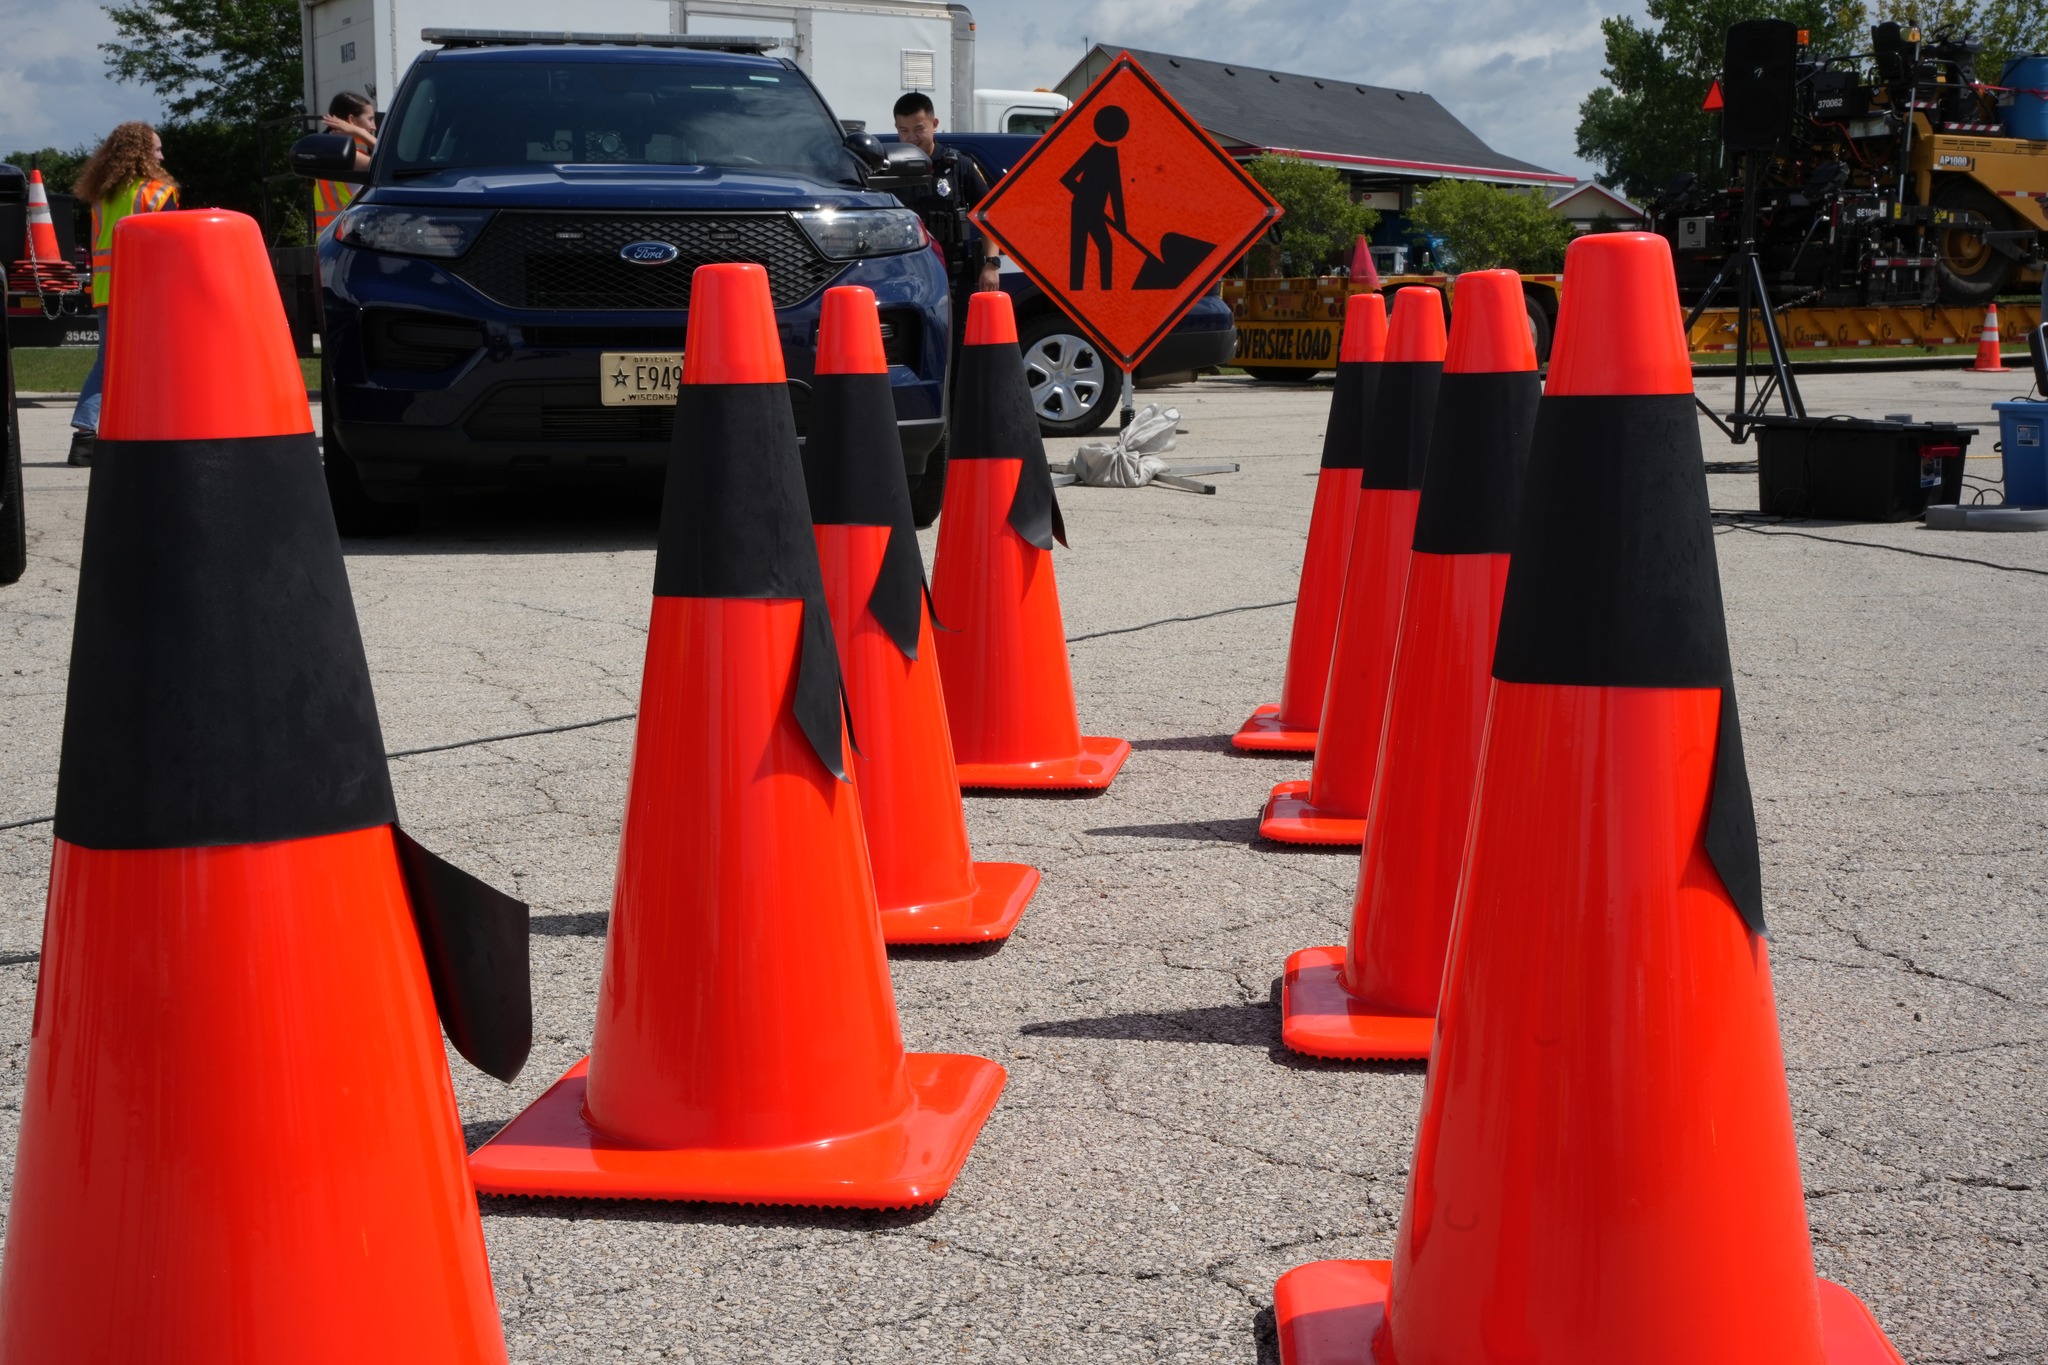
[1513, 70]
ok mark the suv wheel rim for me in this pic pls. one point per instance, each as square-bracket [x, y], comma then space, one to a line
[1066, 376]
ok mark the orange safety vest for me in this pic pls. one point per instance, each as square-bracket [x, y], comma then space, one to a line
[330, 197]
[137, 196]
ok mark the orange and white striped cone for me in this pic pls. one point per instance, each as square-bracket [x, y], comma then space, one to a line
[1988, 359]
[42, 268]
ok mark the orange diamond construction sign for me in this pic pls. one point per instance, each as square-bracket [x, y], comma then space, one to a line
[1126, 212]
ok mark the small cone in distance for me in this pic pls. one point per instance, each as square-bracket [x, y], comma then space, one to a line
[1330, 807]
[927, 885]
[747, 1047]
[239, 1141]
[1376, 996]
[1604, 1170]
[1003, 652]
[1289, 726]
[42, 266]
[1989, 361]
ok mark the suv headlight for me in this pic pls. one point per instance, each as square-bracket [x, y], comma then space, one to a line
[844, 234]
[443, 233]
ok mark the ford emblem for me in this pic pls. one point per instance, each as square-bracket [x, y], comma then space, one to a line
[648, 253]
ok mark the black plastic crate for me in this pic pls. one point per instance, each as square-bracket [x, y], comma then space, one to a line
[1855, 469]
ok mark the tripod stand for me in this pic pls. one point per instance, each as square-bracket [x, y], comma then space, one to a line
[1747, 272]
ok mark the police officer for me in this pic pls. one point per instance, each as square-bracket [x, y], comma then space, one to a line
[957, 185]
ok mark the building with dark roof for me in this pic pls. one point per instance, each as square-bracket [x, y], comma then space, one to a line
[1381, 139]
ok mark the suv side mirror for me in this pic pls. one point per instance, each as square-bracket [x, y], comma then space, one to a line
[328, 156]
[905, 161]
[868, 149]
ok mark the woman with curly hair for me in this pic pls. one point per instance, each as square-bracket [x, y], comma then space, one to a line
[126, 175]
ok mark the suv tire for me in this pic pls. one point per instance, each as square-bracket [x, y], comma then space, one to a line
[356, 513]
[1074, 388]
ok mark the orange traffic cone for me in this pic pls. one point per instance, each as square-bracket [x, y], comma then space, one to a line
[1989, 361]
[747, 1049]
[1330, 807]
[1290, 726]
[239, 1141]
[926, 883]
[1003, 653]
[1604, 1171]
[42, 268]
[1378, 999]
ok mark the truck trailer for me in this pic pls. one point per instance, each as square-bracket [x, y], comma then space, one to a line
[860, 54]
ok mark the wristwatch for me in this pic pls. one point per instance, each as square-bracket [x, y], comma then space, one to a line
[988, 261]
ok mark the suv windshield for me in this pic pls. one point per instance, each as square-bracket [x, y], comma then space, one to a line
[460, 114]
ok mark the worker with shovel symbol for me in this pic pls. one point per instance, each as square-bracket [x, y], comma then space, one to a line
[1096, 180]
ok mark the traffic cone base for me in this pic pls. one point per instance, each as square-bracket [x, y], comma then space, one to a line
[1332, 1312]
[1001, 892]
[551, 1151]
[1265, 733]
[1289, 818]
[1090, 770]
[1319, 1018]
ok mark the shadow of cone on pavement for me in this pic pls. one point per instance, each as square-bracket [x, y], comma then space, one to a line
[1330, 807]
[1003, 652]
[239, 1140]
[1604, 1168]
[747, 1048]
[927, 885]
[1289, 726]
[1377, 997]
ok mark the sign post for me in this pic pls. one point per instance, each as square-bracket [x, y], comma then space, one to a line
[1125, 213]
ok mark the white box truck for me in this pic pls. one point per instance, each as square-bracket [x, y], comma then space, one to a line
[862, 54]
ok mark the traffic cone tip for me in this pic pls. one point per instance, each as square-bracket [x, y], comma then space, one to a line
[1365, 329]
[1490, 325]
[1416, 330]
[1619, 328]
[991, 319]
[850, 333]
[732, 337]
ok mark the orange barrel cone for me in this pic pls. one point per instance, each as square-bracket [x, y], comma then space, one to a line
[1378, 997]
[928, 886]
[747, 1049]
[1989, 361]
[1003, 652]
[1290, 725]
[1330, 807]
[239, 1142]
[1604, 1171]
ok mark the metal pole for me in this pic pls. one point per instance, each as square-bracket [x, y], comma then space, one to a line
[1130, 408]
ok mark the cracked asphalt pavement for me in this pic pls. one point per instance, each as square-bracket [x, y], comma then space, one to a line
[1157, 1159]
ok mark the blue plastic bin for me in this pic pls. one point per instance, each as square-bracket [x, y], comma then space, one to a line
[2023, 438]
[2027, 115]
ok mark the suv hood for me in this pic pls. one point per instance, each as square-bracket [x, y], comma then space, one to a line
[622, 187]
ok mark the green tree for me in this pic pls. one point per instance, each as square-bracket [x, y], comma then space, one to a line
[228, 60]
[230, 77]
[2007, 28]
[1483, 227]
[58, 166]
[1646, 125]
[1321, 219]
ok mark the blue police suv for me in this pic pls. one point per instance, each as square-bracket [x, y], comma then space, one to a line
[505, 301]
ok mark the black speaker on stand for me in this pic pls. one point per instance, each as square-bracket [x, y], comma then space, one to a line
[1758, 85]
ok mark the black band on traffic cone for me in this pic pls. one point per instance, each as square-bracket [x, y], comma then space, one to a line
[853, 469]
[475, 940]
[218, 692]
[1479, 450]
[1404, 405]
[735, 523]
[993, 420]
[1613, 582]
[219, 695]
[1351, 408]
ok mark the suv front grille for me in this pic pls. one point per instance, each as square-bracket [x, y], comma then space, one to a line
[530, 259]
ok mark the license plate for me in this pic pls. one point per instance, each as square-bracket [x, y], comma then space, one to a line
[633, 377]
